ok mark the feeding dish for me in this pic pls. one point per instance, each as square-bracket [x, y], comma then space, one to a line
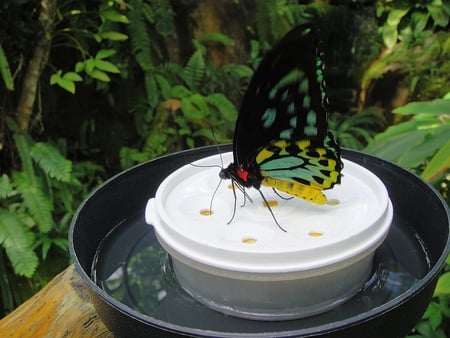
[135, 292]
[249, 267]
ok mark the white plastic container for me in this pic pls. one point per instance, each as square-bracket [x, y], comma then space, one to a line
[250, 268]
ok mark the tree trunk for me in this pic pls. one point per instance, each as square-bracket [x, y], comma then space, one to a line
[37, 63]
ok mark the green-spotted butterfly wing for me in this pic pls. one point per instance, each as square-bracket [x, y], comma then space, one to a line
[281, 137]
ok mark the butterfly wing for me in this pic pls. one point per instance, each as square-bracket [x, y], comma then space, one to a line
[282, 125]
[286, 97]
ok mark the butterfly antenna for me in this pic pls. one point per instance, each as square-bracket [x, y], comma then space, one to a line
[271, 211]
[217, 145]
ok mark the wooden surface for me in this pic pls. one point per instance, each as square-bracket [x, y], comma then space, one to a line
[61, 309]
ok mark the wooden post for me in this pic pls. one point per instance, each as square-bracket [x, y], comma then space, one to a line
[61, 309]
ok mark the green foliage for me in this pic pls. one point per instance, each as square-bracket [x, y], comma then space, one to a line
[181, 103]
[357, 130]
[98, 66]
[435, 320]
[37, 202]
[408, 20]
[418, 42]
[422, 142]
[5, 71]
[275, 18]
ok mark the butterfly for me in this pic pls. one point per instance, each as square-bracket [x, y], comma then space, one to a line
[281, 137]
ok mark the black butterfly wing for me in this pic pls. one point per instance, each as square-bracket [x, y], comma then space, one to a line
[286, 98]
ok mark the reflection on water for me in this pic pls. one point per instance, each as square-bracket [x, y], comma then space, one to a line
[132, 267]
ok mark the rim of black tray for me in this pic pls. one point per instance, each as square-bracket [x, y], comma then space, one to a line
[354, 320]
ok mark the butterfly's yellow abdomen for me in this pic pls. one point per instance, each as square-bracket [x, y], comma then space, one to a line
[299, 190]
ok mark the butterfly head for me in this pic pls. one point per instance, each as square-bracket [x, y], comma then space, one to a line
[241, 175]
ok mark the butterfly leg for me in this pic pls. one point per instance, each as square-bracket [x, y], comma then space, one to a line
[271, 211]
[282, 197]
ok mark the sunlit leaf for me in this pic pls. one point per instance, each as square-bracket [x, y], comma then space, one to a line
[72, 76]
[431, 144]
[114, 16]
[438, 165]
[435, 107]
[443, 285]
[105, 53]
[106, 66]
[100, 75]
[114, 36]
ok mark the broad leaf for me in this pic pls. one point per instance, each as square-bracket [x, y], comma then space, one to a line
[439, 164]
[435, 107]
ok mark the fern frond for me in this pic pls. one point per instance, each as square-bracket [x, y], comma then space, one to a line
[35, 200]
[51, 161]
[139, 35]
[163, 15]
[23, 145]
[195, 70]
[226, 108]
[6, 187]
[17, 239]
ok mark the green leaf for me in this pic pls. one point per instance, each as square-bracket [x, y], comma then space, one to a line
[106, 66]
[36, 201]
[79, 66]
[443, 285]
[190, 111]
[394, 147]
[435, 107]
[100, 75]
[390, 36]
[5, 71]
[427, 149]
[72, 76]
[66, 81]
[201, 104]
[419, 21]
[395, 16]
[194, 71]
[434, 315]
[439, 15]
[114, 36]
[51, 161]
[439, 164]
[105, 53]
[164, 86]
[113, 15]
[226, 108]
[6, 187]
[89, 66]
[180, 92]
[17, 240]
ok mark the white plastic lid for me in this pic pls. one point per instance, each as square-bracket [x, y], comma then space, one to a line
[353, 225]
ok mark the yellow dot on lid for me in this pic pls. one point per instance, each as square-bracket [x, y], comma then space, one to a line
[206, 212]
[249, 240]
[270, 203]
[315, 233]
[333, 201]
